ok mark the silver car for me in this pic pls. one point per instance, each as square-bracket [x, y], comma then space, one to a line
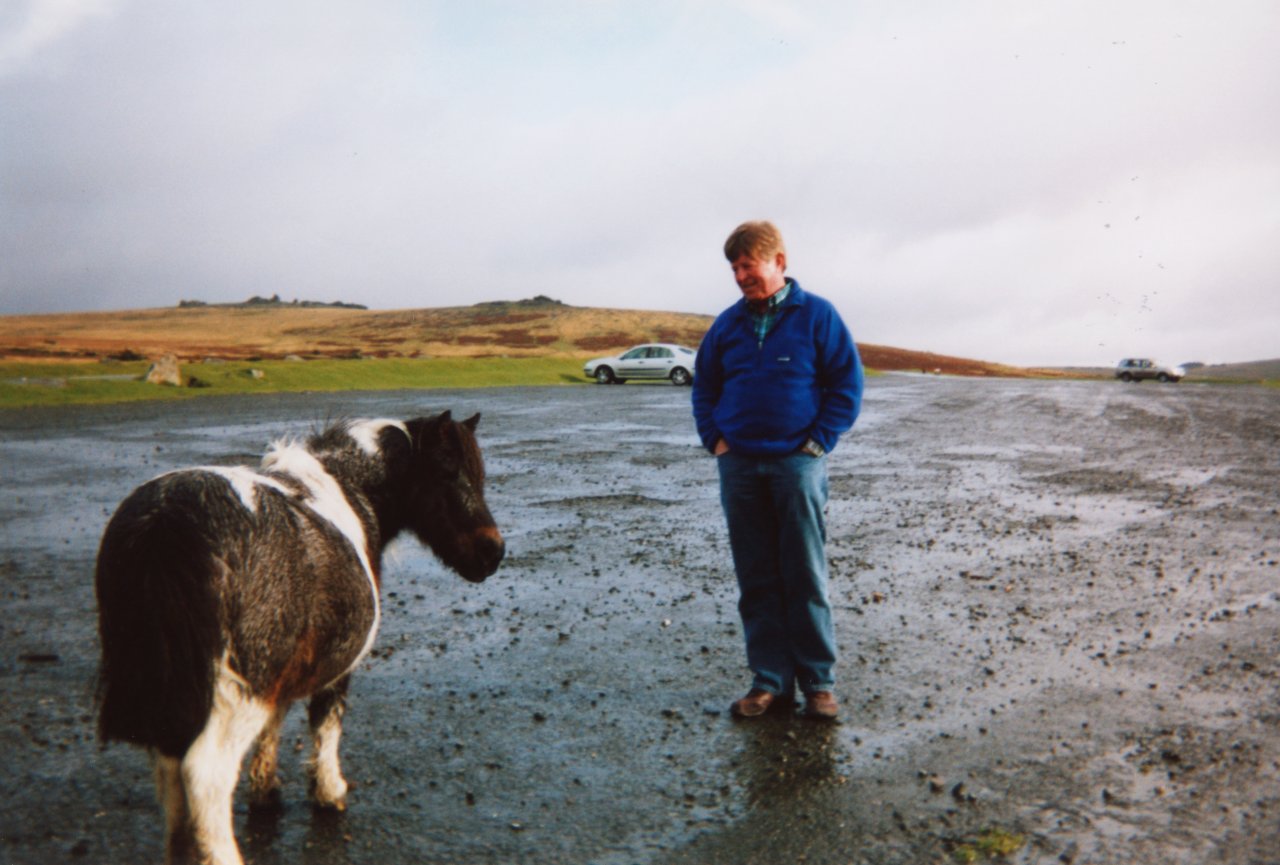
[1139, 368]
[650, 361]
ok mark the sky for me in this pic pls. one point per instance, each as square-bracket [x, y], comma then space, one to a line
[1058, 182]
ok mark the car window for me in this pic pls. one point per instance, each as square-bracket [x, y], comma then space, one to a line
[635, 353]
[660, 352]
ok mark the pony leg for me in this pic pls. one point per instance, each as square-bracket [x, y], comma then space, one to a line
[179, 842]
[328, 787]
[264, 780]
[211, 766]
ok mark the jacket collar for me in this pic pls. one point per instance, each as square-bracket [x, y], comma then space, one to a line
[795, 297]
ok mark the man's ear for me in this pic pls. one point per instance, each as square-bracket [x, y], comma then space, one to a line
[782, 262]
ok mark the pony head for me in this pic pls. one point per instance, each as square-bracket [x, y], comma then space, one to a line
[447, 508]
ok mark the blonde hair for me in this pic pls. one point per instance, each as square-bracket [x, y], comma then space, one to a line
[758, 239]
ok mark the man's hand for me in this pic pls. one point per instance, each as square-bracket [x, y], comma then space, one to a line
[722, 447]
[813, 449]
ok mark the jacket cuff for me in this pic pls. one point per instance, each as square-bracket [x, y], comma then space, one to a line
[827, 445]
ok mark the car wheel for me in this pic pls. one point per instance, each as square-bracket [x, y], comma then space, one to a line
[1124, 377]
[604, 375]
[680, 376]
[1162, 377]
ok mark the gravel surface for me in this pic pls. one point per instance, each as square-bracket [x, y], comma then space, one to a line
[1056, 601]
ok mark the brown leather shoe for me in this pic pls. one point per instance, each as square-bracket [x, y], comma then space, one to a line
[822, 704]
[756, 703]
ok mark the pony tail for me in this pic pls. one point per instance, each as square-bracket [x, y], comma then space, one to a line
[159, 625]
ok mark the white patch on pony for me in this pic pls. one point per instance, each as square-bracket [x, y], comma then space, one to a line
[245, 482]
[326, 498]
[328, 786]
[211, 766]
[365, 433]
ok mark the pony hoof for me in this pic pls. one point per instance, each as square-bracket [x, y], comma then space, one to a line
[337, 806]
[331, 797]
[268, 802]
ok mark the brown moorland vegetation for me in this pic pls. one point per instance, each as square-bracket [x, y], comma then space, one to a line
[541, 327]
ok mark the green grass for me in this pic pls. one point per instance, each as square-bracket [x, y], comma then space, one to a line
[990, 844]
[34, 384]
[46, 384]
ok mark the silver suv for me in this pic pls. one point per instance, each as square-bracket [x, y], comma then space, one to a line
[1138, 368]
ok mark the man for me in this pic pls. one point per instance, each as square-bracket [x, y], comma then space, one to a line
[777, 381]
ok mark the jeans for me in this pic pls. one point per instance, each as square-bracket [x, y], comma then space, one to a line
[774, 508]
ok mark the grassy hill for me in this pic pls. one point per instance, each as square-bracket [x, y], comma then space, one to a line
[537, 328]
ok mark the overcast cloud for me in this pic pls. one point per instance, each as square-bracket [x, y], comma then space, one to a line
[1029, 182]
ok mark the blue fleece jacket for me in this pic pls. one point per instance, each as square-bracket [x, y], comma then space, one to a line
[803, 381]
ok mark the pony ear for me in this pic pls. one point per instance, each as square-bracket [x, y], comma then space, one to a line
[470, 423]
[446, 416]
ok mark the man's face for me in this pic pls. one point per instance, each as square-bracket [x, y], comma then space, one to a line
[759, 278]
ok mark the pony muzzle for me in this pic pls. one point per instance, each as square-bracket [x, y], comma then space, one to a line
[487, 549]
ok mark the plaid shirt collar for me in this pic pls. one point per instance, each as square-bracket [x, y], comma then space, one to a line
[764, 313]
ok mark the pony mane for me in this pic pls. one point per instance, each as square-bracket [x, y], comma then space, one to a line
[363, 433]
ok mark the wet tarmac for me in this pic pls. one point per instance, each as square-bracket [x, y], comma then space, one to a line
[1056, 602]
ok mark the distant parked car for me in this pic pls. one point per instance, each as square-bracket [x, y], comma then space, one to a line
[651, 361]
[1139, 368]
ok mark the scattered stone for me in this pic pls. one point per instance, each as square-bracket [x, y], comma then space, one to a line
[164, 371]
